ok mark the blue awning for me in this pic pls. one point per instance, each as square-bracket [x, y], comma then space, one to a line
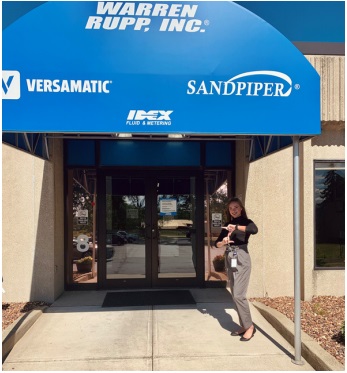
[155, 68]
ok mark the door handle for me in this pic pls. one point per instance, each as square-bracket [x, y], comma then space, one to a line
[150, 232]
[154, 233]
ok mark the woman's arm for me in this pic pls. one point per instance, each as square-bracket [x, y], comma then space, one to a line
[250, 228]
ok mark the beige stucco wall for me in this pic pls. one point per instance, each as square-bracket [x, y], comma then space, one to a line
[266, 186]
[32, 225]
[329, 146]
[331, 70]
[59, 203]
[266, 189]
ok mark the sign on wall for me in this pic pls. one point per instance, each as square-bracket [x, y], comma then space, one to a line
[132, 213]
[167, 207]
[82, 217]
[154, 67]
[216, 220]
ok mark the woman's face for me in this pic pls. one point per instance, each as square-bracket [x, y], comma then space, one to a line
[235, 209]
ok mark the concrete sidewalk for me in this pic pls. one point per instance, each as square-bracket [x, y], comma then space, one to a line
[76, 333]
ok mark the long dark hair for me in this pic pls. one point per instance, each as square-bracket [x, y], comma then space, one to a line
[238, 201]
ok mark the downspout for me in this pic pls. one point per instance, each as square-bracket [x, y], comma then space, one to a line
[296, 224]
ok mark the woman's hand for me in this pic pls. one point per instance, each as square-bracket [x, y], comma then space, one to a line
[226, 240]
[231, 228]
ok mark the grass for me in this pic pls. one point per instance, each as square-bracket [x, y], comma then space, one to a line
[317, 309]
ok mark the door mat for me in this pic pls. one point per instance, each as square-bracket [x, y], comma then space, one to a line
[148, 298]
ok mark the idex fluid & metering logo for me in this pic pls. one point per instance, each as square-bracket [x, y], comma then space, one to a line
[149, 118]
[10, 85]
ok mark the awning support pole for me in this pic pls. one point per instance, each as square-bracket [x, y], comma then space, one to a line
[296, 216]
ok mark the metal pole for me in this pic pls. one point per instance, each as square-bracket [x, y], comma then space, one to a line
[296, 216]
[208, 229]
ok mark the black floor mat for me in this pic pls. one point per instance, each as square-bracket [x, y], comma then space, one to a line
[148, 298]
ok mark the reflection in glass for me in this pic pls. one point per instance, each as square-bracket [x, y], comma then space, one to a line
[125, 217]
[176, 209]
[330, 214]
[84, 245]
[169, 236]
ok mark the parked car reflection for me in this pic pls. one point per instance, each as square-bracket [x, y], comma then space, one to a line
[116, 239]
[129, 237]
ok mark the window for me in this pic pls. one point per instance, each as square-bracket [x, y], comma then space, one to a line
[329, 215]
[84, 245]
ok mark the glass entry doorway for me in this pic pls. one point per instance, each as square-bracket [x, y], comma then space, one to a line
[149, 224]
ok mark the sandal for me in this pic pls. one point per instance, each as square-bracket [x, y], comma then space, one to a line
[236, 334]
[243, 339]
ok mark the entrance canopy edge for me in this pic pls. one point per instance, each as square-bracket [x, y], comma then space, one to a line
[155, 68]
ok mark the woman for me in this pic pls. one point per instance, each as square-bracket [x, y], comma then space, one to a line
[238, 262]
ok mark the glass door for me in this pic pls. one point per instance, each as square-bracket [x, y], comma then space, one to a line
[126, 240]
[149, 230]
[174, 219]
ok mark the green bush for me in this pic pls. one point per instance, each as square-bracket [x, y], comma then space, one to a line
[86, 259]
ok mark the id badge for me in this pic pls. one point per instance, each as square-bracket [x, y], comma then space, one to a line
[233, 263]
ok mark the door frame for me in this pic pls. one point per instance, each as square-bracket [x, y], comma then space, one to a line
[151, 281]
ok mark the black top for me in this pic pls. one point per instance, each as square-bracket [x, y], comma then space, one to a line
[239, 237]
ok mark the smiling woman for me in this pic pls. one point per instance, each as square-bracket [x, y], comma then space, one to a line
[238, 262]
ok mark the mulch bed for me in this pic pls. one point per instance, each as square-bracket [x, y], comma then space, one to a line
[11, 311]
[321, 319]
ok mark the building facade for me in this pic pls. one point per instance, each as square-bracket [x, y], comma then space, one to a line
[135, 202]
